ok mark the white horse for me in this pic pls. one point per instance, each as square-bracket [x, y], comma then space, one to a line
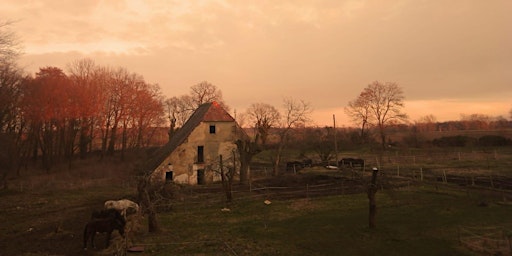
[121, 206]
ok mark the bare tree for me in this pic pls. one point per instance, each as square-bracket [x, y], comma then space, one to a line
[205, 92]
[296, 113]
[359, 111]
[263, 116]
[227, 177]
[427, 123]
[10, 47]
[385, 102]
[12, 126]
[178, 111]
[319, 140]
[247, 149]
[149, 194]
[476, 121]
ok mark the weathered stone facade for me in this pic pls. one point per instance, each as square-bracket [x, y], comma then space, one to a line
[193, 156]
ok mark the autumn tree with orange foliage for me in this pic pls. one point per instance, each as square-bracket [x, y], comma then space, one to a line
[50, 109]
[62, 114]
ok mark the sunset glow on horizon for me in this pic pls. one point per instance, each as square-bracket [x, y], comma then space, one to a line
[450, 58]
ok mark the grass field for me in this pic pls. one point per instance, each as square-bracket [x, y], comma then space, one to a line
[416, 221]
[45, 215]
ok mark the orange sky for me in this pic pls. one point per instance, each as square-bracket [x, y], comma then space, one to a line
[450, 57]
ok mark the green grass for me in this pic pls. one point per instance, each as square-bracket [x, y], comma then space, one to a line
[417, 222]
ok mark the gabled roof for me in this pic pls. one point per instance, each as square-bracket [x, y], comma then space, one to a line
[207, 112]
[216, 113]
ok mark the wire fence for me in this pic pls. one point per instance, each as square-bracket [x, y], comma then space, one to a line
[487, 240]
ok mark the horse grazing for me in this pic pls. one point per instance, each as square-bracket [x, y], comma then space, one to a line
[102, 225]
[351, 162]
[122, 206]
[107, 213]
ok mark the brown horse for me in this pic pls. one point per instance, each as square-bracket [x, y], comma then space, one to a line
[102, 225]
[108, 213]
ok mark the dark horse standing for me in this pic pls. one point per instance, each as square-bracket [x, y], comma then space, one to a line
[103, 222]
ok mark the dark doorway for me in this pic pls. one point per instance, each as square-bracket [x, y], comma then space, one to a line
[200, 177]
[168, 176]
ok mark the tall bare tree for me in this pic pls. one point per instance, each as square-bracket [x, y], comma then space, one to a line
[264, 117]
[384, 102]
[12, 127]
[205, 92]
[178, 111]
[10, 47]
[359, 111]
[296, 113]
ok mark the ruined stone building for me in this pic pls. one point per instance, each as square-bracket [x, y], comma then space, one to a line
[192, 154]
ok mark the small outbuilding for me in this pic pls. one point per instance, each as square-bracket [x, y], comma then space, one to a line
[192, 154]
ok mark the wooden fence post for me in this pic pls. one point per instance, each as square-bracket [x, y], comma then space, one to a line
[372, 189]
[398, 170]
[509, 243]
[421, 174]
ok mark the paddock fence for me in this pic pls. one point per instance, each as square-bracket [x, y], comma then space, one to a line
[486, 240]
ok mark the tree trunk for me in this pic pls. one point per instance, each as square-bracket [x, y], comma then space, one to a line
[172, 128]
[112, 142]
[148, 206]
[247, 150]
[382, 136]
[372, 190]
[275, 170]
[226, 181]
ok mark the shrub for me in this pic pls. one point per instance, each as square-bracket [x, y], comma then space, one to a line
[454, 141]
[493, 141]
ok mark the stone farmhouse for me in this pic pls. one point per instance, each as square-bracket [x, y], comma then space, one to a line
[192, 154]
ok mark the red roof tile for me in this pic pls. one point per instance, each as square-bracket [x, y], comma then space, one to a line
[217, 113]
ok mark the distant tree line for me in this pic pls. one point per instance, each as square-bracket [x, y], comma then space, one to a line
[465, 141]
[55, 116]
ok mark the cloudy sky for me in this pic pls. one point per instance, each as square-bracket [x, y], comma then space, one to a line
[450, 57]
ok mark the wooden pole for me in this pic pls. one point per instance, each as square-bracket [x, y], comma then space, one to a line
[372, 190]
[335, 140]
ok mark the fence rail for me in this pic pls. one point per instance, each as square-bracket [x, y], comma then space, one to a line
[488, 240]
